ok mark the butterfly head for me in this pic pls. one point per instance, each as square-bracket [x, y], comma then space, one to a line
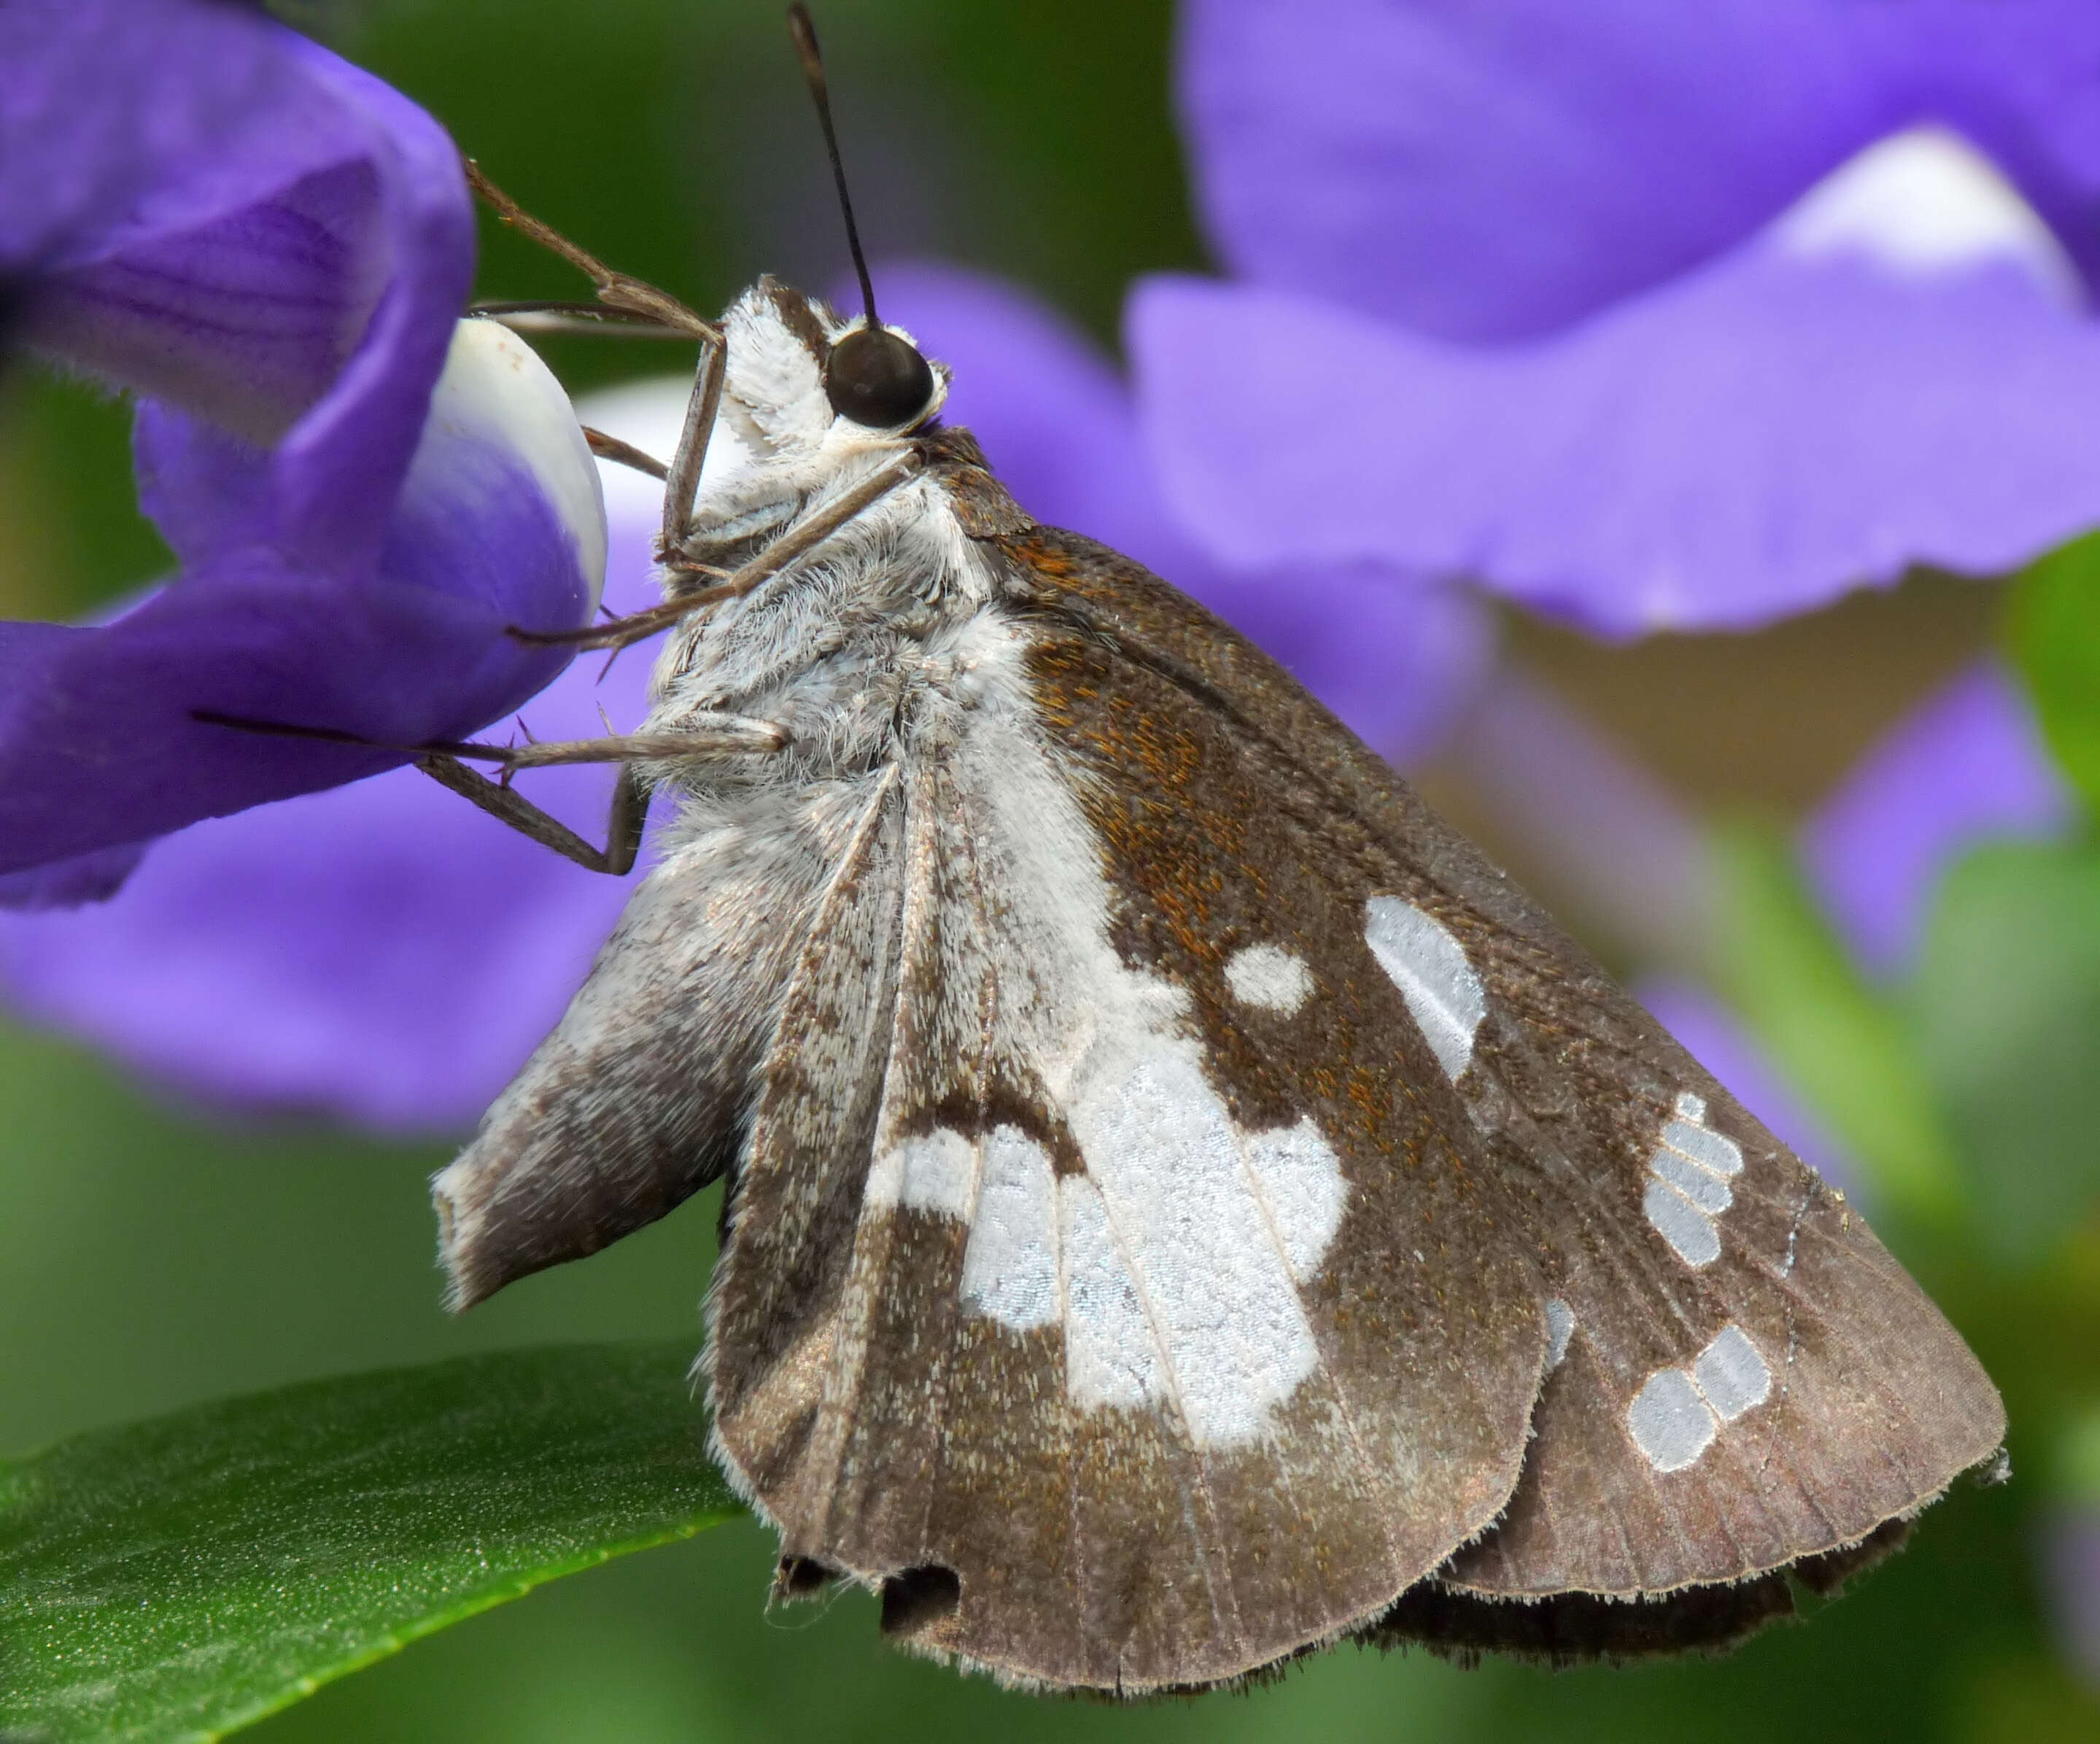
[810, 379]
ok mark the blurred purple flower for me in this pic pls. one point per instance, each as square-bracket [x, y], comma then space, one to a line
[199, 205]
[2071, 1575]
[1966, 766]
[1520, 297]
[382, 952]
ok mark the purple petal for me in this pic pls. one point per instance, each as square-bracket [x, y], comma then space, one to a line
[247, 319]
[277, 245]
[108, 107]
[1490, 169]
[497, 523]
[300, 276]
[1396, 661]
[92, 877]
[1750, 442]
[382, 952]
[1968, 765]
[1712, 1035]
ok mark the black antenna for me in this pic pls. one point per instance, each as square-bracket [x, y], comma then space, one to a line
[804, 34]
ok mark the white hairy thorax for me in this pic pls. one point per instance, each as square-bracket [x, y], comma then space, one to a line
[831, 649]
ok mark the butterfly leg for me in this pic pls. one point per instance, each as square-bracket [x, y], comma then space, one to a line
[630, 811]
[710, 735]
[633, 305]
[628, 297]
[812, 530]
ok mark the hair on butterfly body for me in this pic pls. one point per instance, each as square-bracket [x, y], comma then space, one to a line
[1184, 1205]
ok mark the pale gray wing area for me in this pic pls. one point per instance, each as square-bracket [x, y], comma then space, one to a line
[1120, 1360]
[1741, 1376]
[640, 1096]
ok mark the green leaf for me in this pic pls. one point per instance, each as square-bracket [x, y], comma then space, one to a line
[2053, 629]
[180, 1578]
[1836, 1038]
[2007, 999]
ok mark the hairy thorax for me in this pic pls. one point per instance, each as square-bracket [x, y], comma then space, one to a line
[872, 646]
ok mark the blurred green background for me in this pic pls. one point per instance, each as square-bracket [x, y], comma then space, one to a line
[151, 1256]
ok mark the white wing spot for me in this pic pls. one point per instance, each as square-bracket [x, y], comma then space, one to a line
[1300, 1179]
[1706, 1190]
[1682, 1223]
[1269, 978]
[1671, 1424]
[933, 1171]
[1178, 1247]
[1430, 967]
[1172, 1168]
[1731, 1374]
[1010, 1267]
[1111, 1357]
[1675, 1417]
[1559, 1328]
[1691, 1168]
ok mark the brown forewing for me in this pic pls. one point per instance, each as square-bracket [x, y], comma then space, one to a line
[1876, 1403]
[896, 1434]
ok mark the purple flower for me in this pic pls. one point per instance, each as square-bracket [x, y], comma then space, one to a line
[1966, 767]
[2070, 1574]
[381, 952]
[1639, 315]
[202, 206]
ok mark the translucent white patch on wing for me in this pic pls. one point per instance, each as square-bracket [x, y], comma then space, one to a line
[1430, 967]
[1300, 1179]
[1182, 1241]
[1671, 1424]
[1559, 1328]
[1921, 202]
[936, 1172]
[1688, 1188]
[495, 396]
[1010, 1268]
[1687, 1230]
[1676, 1415]
[1172, 1170]
[1111, 1355]
[1269, 978]
[1731, 1374]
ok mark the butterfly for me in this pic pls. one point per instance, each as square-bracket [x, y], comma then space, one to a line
[1184, 1205]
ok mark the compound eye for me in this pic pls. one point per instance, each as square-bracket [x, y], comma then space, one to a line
[877, 378]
